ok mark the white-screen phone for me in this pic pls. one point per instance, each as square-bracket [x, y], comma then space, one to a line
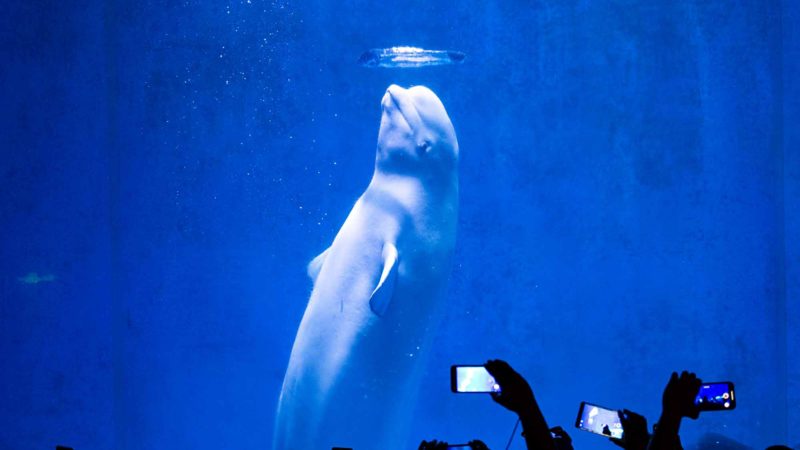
[599, 420]
[472, 379]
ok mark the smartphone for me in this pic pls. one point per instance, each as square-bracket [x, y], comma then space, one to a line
[717, 396]
[599, 420]
[472, 379]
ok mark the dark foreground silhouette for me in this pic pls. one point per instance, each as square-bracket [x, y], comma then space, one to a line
[677, 403]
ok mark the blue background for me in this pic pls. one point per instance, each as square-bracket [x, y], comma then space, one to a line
[629, 206]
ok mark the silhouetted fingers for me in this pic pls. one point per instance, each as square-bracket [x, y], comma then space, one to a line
[696, 383]
[502, 373]
[561, 433]
[498, 367]
[502, 400]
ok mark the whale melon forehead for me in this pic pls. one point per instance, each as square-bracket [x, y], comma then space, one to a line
[431, 109]
[426, 101]
[424, 93]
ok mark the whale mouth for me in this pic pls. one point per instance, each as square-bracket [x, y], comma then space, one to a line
[392, 107]
[393, 102]
[402, 104]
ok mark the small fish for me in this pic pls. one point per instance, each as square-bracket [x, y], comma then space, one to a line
[35, 278]
[406, 57]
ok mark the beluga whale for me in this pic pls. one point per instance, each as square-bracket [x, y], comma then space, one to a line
[359, 354]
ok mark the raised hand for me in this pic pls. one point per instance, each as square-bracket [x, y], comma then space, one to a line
[635, 435]
[515, 393]
[677, 403]
[679, 395]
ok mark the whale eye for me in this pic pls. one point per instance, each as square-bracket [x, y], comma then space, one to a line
[423, 147]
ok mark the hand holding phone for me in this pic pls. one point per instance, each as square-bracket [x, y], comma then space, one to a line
[679, 396]
[516, 395]
[636, 436]
[598, 420]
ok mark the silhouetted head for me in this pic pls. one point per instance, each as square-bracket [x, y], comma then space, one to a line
[416, 135]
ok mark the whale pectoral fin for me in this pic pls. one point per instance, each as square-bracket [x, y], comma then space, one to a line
[316, 265]
[382, 294]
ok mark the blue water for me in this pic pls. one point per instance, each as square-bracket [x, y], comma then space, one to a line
[629, 206]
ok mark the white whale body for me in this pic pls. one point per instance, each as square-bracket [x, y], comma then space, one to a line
[356, 363]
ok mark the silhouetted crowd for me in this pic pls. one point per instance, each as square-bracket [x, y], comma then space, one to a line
[678, 402]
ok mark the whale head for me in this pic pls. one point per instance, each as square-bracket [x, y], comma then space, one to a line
[416, 136]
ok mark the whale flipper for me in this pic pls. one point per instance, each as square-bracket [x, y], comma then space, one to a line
[316, 265]
[382, 295]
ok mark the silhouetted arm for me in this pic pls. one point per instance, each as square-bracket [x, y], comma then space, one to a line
[677, 403]
[516, 395]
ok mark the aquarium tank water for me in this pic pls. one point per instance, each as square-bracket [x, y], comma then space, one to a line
[617, 198]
